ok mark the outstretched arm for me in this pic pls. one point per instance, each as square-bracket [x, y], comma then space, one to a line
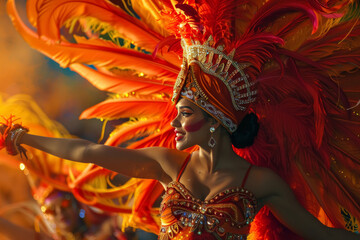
[283, 204]
[152, 163]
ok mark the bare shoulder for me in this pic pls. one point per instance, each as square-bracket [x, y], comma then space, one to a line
[264, 175]
[264, 182]
[170, 160]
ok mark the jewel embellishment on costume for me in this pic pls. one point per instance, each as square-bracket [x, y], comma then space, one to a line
[221, 215]
[227, 122]
[203, 55]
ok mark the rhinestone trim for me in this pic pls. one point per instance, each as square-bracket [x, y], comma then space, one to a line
[202, 54]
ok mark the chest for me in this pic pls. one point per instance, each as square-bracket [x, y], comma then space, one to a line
[227, 213]
[205, 186]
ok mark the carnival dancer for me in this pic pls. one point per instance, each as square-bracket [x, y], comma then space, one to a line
[241, 60]
[69, 222]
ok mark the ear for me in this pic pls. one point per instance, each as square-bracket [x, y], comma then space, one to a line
[214, 123]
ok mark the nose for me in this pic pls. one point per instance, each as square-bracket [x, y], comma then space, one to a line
[175, 122]
[58, 211]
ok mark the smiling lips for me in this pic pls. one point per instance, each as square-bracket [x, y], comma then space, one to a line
[179, 135]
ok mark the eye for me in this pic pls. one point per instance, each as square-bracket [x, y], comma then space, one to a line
[48, 210]
[185, 114]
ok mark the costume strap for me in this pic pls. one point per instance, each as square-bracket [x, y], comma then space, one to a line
[183, 167]
[246, 176]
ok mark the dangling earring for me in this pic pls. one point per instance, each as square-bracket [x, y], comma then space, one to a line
[212, 141]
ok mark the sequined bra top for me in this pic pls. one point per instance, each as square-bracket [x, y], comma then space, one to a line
[225, 216]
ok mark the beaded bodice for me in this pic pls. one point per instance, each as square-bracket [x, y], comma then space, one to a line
[225, 216]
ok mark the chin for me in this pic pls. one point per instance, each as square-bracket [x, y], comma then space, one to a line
[182, 146]
[179, 147]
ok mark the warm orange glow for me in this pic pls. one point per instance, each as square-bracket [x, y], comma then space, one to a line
[43, 209]
[22, 166]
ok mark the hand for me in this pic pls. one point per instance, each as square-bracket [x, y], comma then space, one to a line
[10, 135]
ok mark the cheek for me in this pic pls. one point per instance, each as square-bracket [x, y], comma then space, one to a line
[195, 126]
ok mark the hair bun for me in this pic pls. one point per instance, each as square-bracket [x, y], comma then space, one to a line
[246, 132]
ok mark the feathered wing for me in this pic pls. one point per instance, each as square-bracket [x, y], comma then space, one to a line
[304, 55]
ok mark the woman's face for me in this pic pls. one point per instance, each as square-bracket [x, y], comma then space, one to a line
[191, 126]
[63, 210]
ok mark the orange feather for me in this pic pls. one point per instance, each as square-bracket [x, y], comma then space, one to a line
[50, 16]
[123, 82]
[126, 107]
[131, 130]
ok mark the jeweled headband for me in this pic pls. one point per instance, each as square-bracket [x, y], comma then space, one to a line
[223, 73]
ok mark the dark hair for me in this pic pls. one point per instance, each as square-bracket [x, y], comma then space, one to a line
[246, 132]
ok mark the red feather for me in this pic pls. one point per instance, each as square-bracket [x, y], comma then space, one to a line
[275, 9]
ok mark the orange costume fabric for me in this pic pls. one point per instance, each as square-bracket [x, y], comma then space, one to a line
[227, 215]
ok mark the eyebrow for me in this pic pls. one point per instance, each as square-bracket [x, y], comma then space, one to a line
[182, 107]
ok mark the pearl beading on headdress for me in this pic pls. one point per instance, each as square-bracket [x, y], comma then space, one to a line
[203, 55]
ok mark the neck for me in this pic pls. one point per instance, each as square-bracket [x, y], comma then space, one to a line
[216, 158]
